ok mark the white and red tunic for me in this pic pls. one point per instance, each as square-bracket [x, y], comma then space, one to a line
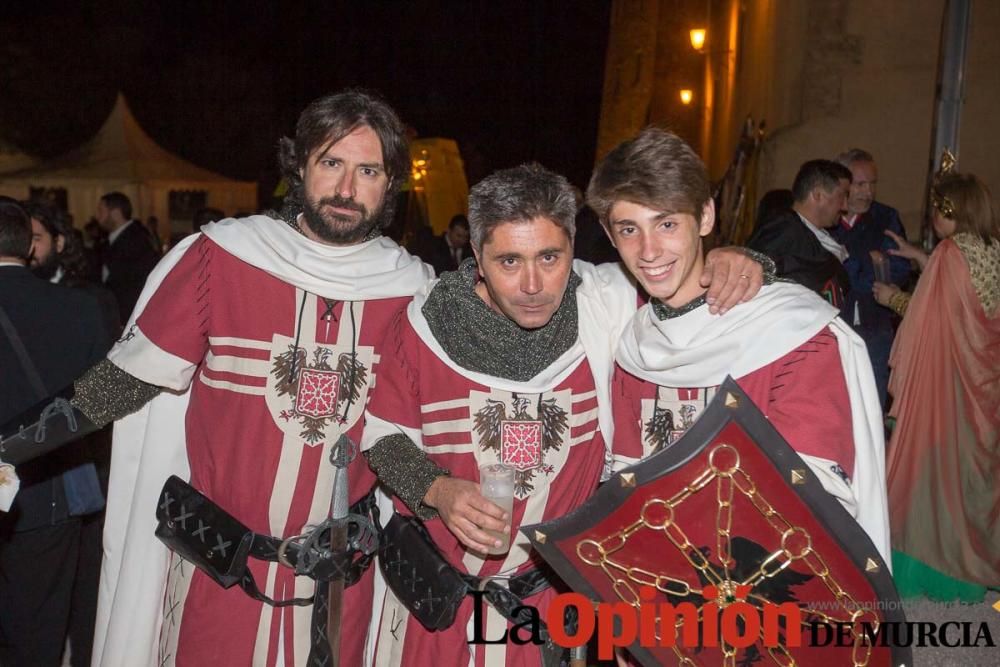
[549, 433]
[803, 367]
[256, 444]
[803, 394]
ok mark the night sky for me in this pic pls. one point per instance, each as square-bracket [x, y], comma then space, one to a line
[218, 83]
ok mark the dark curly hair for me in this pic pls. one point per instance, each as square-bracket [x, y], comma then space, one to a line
[73, 259]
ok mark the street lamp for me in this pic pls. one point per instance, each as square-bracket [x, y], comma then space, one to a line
[698, 38]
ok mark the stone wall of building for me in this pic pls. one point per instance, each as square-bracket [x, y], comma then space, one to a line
[855, 73]
[825, 75]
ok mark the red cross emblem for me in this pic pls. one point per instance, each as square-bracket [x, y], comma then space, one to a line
[317, 395]
[521, 444]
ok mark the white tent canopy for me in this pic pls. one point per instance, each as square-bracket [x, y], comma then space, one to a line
[123, 158]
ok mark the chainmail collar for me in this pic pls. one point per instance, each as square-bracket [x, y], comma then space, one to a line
[665, 312]
[481, 340]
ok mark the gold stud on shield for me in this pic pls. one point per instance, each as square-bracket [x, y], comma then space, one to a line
[871, 566]
[628, 480]
[540, 537]
[732, 401]
[798, 476]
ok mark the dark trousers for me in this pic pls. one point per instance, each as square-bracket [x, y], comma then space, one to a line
[83, 610]
[37, 569]
[879, 344]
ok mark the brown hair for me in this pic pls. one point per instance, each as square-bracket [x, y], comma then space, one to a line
[656, 169]
[329, 119]
[972, 205]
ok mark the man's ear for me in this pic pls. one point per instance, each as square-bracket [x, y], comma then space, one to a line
[477, 253]
[60, 243]
[707, 218]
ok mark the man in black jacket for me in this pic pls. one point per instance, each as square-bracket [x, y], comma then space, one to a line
[131, 253]
[452, 247]
[797, 239]
[863, 232]
[48, 336]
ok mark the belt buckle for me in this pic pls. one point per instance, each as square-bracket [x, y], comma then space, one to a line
[283, 547]
[483, 581]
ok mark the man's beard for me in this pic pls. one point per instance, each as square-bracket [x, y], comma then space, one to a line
[340, 229]
[47, 268]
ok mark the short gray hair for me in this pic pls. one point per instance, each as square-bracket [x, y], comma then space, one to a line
[849, 157]
[520, 194]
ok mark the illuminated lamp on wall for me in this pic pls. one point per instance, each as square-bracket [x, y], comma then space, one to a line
[686, 96]
[698, 38]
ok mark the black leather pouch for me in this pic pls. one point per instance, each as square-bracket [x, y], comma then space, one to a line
[430, 587]
[202, 533]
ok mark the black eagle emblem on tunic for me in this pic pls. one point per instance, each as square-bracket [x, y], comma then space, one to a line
[287, 367]
[554, 421]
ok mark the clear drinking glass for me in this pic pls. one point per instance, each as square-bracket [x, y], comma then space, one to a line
[496, 484]
[881, 264]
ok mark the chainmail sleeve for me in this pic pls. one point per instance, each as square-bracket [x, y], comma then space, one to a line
[766, 263]
[406, 471]
[106, 393]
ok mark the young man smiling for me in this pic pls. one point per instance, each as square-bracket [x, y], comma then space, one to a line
[787, 348]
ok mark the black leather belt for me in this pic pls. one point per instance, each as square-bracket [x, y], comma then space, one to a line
[506, 599]
[309, 554]
[219, 545]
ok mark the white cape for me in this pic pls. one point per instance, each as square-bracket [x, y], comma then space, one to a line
[149, 445]
[699, 350]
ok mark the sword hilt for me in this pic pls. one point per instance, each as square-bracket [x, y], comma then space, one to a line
[343, 452]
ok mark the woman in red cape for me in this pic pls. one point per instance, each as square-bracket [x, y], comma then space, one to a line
[944, 457]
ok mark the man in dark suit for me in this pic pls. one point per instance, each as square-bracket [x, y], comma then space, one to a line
[863, 232]
[49, 335]
[798, 240]
[57, 255]
[452, 247]
[131, 252]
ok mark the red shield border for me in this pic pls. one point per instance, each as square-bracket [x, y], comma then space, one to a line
[627, 517]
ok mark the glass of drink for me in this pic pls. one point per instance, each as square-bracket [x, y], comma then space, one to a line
[496, 484]
[881, 264]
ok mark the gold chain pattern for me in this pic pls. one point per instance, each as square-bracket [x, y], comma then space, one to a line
[658, 514]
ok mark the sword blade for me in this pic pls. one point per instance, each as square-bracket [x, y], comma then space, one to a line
[341, 458]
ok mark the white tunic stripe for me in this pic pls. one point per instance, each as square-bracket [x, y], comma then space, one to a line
[225, 363]
[449, 449]
[584, 437]
[289, 465]
[581, 418]
[456, 426]
[445, 405]
[230, 341]
[232, 386]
